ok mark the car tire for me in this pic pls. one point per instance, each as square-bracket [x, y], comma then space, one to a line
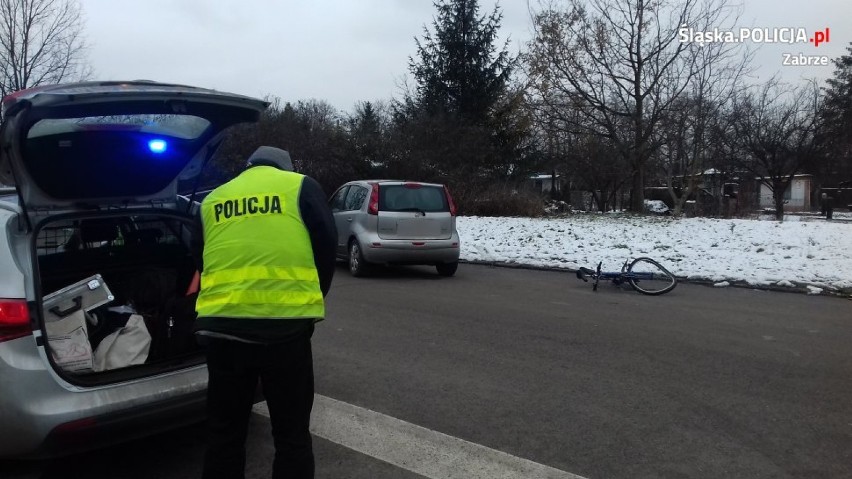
[447, 269]
[358, 266]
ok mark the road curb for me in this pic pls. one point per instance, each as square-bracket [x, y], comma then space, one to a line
[800, 288]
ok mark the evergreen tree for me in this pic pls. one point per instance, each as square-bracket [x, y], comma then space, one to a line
[459, 70]
[836, 135]
[366, 132]
[464, 124]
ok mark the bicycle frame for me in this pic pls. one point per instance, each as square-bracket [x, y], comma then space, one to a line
[660, 274]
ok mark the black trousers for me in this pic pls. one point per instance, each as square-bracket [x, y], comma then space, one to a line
[285, 371]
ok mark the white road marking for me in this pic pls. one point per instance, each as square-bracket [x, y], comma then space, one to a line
[422, 451]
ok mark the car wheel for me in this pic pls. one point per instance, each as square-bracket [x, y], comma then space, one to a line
[357, 264]
[447, 269]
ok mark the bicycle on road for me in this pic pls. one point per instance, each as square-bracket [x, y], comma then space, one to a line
[643, 275]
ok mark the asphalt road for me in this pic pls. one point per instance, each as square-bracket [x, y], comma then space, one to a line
[702, 382]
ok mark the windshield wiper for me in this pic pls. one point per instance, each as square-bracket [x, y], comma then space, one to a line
[415, 210]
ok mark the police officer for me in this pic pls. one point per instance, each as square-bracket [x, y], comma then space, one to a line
[267, 263]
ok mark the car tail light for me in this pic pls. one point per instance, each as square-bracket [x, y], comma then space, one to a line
[373, 207]
[14, 319]
[450, 201]
[75, 426]
[413, 186]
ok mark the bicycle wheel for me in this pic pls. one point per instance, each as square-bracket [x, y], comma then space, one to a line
[649, 277]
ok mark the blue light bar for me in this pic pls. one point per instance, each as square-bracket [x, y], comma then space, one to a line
[157, 146]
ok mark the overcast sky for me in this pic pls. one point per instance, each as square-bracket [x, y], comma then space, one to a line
[345, 51]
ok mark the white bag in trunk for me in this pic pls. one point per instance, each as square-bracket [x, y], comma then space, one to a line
[124, 347]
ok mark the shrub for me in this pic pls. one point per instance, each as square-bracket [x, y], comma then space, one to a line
[500, 201]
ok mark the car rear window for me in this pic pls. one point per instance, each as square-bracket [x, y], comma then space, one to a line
[187, 127]
[115, 156]
[413, 197]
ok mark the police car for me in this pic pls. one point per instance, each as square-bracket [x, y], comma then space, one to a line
[96, 300]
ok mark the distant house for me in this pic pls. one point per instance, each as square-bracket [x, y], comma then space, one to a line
[543, 183]
[797, 197]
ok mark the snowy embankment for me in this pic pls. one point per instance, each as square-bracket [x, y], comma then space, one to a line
[811, 255]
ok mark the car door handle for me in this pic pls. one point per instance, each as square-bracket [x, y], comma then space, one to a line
[349, 219]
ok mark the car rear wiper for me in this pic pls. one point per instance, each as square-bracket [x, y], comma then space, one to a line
[415, 210]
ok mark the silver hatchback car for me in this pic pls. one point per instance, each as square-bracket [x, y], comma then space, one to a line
[96, 268]
[395, 222]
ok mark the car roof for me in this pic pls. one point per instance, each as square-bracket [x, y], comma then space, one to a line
[386, 181]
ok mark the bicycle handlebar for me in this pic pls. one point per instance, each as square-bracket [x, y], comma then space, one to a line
[583, 272]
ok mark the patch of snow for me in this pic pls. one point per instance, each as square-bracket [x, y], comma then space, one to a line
[656, 206]
[719, 250]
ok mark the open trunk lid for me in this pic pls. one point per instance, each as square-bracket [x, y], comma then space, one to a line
[101, 144]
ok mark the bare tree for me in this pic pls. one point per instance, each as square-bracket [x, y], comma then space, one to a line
[773, 130]
[688, 149]
[588, 162]
[682, 152]
[599, 168]
[314, 133]
[41, 42]
[622, 64]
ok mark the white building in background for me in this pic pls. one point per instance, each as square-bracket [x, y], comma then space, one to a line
[543, 183]
[797, 197]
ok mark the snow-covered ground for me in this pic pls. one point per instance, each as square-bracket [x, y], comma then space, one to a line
[805, 252]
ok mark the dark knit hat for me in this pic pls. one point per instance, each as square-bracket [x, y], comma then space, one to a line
[271, 156]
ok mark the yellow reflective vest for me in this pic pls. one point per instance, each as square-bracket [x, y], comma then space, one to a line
[258, 259]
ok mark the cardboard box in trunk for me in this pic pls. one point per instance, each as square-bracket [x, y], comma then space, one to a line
[65, 322]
